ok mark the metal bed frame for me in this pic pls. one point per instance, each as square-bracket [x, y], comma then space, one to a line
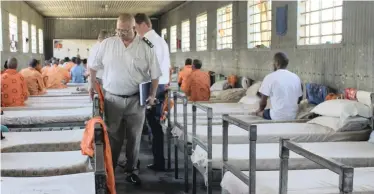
[100, 173]
[345, 172]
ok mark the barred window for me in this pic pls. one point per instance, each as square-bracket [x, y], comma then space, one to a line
[173, 39]
[33, 39]
[259, 23]
[13, 31]
[186, 36]
[224, 27]
[25, 35]
[41, 41]
[201, 32]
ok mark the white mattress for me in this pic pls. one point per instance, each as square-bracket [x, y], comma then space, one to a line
[58, 98]
[356, 154]
[43, 141]
[82, 183]
[28, 117]
[28, 164]
[62, 92]
[220, 108]
[301, 181]
[270, 133]
[77, 84]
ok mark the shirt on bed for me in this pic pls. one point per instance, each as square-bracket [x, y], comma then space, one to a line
[284, 89]
[13, 89]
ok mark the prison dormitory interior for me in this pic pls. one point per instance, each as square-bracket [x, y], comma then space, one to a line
[170, 97]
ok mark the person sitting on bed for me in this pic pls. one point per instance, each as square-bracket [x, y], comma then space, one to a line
[198, 83]
[284, 89]
[184, 73]
[57, 76]
[13, 86]
[34, 78]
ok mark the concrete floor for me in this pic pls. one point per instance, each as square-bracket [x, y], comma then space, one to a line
[157, 183]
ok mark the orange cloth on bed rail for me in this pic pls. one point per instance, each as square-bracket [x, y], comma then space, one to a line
[101, 96]
[165, 107]
[87, 148]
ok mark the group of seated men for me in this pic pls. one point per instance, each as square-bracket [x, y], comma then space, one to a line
[283, 87]
[34, 80]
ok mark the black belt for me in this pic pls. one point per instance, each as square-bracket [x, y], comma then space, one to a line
[126, 96]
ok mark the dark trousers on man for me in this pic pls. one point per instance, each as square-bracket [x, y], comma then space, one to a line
[153, 117]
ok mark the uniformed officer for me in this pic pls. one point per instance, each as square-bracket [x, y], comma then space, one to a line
[127, 60]
[144, 29]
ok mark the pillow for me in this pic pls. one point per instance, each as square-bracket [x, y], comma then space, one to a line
[342, 108]
[339, 125]
[253, 89]
[218, 86]
[231, 94]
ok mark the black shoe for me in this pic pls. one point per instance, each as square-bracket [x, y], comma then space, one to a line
[155, 167]
[134, 179]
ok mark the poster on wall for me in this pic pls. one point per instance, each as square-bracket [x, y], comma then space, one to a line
[57, 44]
[72, 47]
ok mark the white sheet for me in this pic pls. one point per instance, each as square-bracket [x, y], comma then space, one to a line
[58, 98]
[77, 84]
[28, 117]
[82, 183]
[43, 141]
[63, 92]
[220, 108]
[301, 181]
[356, 154]
[28, 164]
[270, 133]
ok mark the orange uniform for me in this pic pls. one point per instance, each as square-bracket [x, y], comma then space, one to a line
[14, 90]
[69, 66]
[34, 81]
[56, 75]
[198, 86]
[182, 76]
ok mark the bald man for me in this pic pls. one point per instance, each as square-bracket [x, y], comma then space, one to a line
[127, 61]
[14, 90]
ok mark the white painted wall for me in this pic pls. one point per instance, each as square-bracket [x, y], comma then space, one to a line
[72, 48]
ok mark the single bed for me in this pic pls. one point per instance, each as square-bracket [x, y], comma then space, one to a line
[44, 141]
[61, 117]
[271, 132]
[82, 183]
[76, 84]
[64, 92]
[356, 154]
[27, 164]
[316, 182]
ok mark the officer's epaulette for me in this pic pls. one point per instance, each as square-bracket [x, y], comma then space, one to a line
[147, 42]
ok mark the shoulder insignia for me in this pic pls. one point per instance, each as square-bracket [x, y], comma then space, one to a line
[147, 42]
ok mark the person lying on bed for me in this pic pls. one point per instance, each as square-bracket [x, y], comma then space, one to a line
[34, 78]
[57, 76]
[198, 83]
[13, 86]
[284, 89]
[184, 73]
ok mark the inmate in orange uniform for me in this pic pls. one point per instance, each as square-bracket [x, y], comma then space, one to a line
[182, 76]
[34, 78]
[13, 86]
[56, 76]
[198, 84]
[69, 65]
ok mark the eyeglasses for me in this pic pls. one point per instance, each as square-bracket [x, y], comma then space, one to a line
[123, 31]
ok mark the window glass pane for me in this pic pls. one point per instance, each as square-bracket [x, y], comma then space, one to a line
[314, 30]
[338, 13]
[314, 5]
[326, 28]
[224, 27]
[314, 17]
[326, 39]
[338, 27]
[327, 15]
[327, 4]
[314, 40]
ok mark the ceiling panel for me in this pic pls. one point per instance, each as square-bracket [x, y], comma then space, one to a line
[87, 9]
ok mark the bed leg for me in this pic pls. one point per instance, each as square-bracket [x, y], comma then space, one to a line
[193, 179]
[176, 159]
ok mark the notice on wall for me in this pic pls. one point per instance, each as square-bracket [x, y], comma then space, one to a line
[72, 47]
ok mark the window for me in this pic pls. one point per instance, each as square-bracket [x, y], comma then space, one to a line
[173, 39]
[320, 22]
[224, 27]
[201, 32]
[186, 36]
[25, 35]
[41, 41]
[13, 32]
[33, 39]
[164, 33]
[259, 23]
[1, 31]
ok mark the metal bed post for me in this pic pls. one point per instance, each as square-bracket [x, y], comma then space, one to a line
[252, 133]
[96, 107]
[284, 155]
[100, 173]
[345, 172]
[185, 144]
[175, 96]
[193, 145]
[168, 131]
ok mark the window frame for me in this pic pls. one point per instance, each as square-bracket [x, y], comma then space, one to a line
[186, 37]
[202, 38]
[41, 41]
[25, 34]
[220, 38]
[252, 41]
[34, 44]
[173, 40]
[164, 33]
[304, 21]
[11, 21]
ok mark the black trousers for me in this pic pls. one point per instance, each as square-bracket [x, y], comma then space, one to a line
[153, 118]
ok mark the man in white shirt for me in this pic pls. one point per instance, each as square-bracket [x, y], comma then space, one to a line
[144, 29]
[128, 61]
[93, 51]
[284, 89]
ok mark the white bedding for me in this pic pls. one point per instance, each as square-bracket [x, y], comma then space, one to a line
[77, 84]
[28, 164]
[220, 108]
[43, 141]
[63, 92]
[270, 133]
[58, 99]
[356, 154]
[82, 183]
[28, 117]
[301, 181]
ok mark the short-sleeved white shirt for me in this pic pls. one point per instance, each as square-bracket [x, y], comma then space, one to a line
[126, 67]
[91, 58]
[162, 53]
[284, 89]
